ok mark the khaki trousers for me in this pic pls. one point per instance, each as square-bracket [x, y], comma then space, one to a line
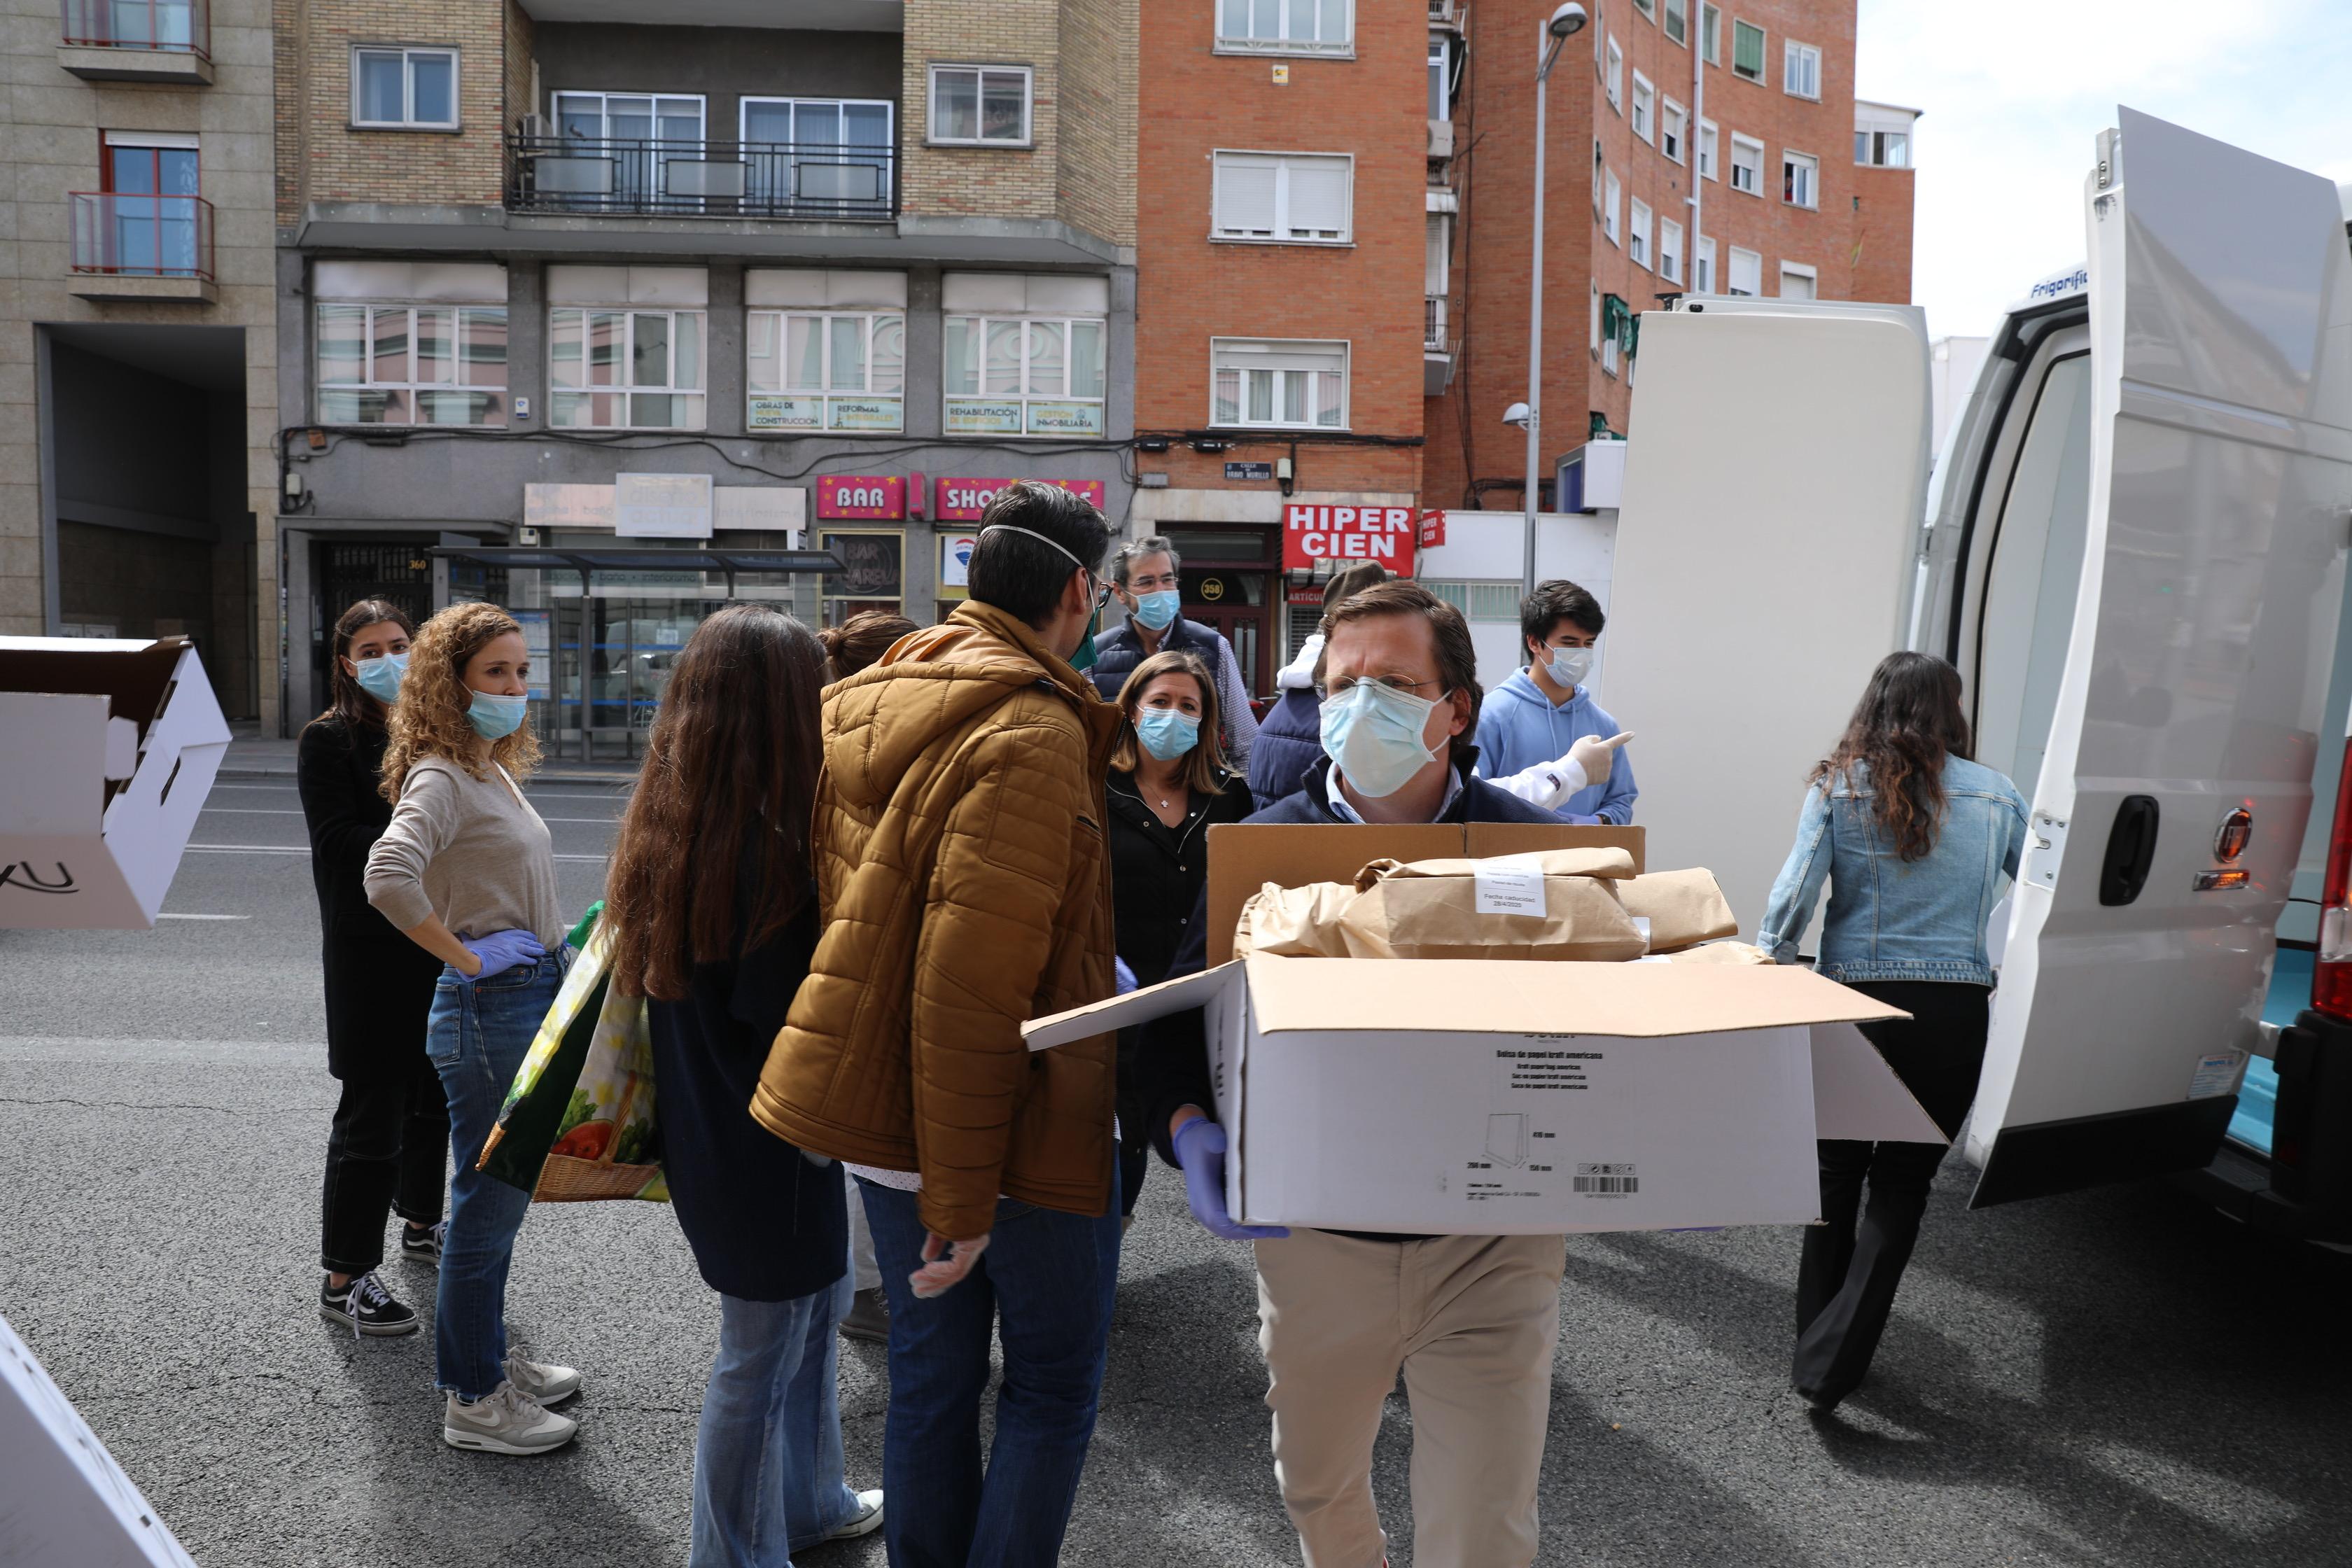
[1471, 1321]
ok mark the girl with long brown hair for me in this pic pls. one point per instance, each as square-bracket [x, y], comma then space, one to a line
[712, 907]
[467, 872]
[1915, 841]
[387, 1150]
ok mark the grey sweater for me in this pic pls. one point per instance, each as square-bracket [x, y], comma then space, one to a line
[469, 850]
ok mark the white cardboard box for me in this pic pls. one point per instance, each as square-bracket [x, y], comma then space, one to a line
[1483, 1097]
[108, 749]
[64, 1502]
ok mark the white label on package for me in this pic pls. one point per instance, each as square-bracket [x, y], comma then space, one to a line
[2215, 1075]
[1513, 885]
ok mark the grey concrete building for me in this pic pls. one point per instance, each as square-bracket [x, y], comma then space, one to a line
[138, 340]
[748, 278]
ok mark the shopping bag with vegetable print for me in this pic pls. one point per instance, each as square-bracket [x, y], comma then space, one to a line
[578, 1123]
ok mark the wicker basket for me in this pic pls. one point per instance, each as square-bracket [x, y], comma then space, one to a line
[567, 1179]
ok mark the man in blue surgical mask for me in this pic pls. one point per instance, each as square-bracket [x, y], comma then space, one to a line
[1143, 578]
[1469, 1320]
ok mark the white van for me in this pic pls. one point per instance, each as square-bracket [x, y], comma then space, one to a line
[2134, 548]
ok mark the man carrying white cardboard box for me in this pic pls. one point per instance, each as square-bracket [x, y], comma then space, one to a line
[1471, 1321]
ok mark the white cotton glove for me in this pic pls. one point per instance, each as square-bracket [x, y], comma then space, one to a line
[1593, 757]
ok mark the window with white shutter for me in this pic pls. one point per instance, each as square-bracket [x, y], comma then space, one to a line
[1293, 198]
[1747, 273]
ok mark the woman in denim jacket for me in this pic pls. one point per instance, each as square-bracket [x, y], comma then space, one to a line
[1916, 842]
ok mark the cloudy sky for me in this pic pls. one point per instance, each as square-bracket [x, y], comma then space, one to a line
[2017, 91]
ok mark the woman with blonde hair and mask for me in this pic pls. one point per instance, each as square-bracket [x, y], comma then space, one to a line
[465, 870]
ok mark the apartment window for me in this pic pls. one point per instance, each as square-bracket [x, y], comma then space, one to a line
[1441, 63]
[1281, 383]
[1673, 129]
[816, 149]
[1293, 198]
[1647, 7]
[1801, 70]
[1710, 35]
[1616, 78]
[1883, 148]
[1678, 20]
[1599, 170]
[1707, 150]
[1437, 255]
[619, 369]
[1302, 27]
[1747, 51]
[1746, 164]
[806, 371]
[1747, 273]
[1593, 328]
[639, 134]
[411, 364]
[1637, 235]
[1800, 179]
[151, 218]
[1614, 317]
[1025, 375]
[1797, 282]
[1610, 199]
[984, 106]
[1670, 250]
[1702, 266]
[404, 89]
[1645, 107]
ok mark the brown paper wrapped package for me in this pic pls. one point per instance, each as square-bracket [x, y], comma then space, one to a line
[1682, 907]
[1430, 910]
[1720, 953]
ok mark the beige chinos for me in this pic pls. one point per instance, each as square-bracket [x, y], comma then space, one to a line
[1471, 1321]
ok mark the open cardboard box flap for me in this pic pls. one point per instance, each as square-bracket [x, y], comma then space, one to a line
[1246, 856]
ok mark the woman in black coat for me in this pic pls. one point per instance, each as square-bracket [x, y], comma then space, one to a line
[1169, 785]
[388, 1149]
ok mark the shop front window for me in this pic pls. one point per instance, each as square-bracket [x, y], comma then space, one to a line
[876, 578]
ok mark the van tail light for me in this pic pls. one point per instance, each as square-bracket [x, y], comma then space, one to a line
[2331, 975]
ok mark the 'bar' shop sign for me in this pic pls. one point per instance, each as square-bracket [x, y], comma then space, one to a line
[865, 497]
[1381, 533]
[962, 501]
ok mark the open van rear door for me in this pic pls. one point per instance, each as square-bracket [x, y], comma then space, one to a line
[2171, 798]
[1766, 552]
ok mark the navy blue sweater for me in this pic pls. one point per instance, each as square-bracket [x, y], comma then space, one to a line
[1288, 743]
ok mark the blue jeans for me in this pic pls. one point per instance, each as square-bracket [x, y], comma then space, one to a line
[767, 1459]
[478, 1034]
[1050, 1278]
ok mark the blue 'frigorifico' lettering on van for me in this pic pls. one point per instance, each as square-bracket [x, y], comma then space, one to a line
[2058, 285]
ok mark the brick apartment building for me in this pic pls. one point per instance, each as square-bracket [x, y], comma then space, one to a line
[1280, 232]
[604, 320]
[138, 391]
[1800, 192]
[1304, 162]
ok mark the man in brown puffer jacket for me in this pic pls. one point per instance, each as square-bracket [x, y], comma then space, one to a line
[965, 886]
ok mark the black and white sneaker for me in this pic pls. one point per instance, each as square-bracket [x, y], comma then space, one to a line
[424, 1242]
[365, 1307]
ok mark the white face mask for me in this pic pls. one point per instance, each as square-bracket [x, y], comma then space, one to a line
[1569, 666]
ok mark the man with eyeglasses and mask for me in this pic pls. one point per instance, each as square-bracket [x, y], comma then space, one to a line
[964, 886]
[1144, 579]
[1469, 1320]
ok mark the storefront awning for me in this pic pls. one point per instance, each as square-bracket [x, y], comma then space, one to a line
[817, 563]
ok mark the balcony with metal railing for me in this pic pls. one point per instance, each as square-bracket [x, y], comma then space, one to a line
[1436, 348]
[128, 246]
[809, 181]
[137, 40]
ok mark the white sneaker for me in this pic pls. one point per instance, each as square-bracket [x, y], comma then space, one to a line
[541, 1380]
[507, 1422]
[864, 1521]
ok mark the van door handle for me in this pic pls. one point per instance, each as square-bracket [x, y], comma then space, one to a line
[2131, 850]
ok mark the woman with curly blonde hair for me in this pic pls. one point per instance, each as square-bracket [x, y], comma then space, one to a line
[467, 872]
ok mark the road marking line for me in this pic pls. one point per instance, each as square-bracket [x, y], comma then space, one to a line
[304, 850]
[286, 811]
[168, 916]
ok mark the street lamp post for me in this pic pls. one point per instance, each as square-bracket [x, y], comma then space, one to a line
[1566, 21]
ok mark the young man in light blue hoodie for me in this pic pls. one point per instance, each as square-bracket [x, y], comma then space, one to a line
[1536, 716]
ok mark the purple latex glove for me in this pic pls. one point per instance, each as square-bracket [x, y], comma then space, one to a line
[1122, 976]
[502, 951]
[1200, 1150]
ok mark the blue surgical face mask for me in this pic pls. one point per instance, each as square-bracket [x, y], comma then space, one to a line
[1166, 732]
[1157, 609]
[380, 677]
[1569, 666]
[1373, 734]
[494, 718]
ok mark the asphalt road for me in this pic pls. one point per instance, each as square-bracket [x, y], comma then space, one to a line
[2116, 1377]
